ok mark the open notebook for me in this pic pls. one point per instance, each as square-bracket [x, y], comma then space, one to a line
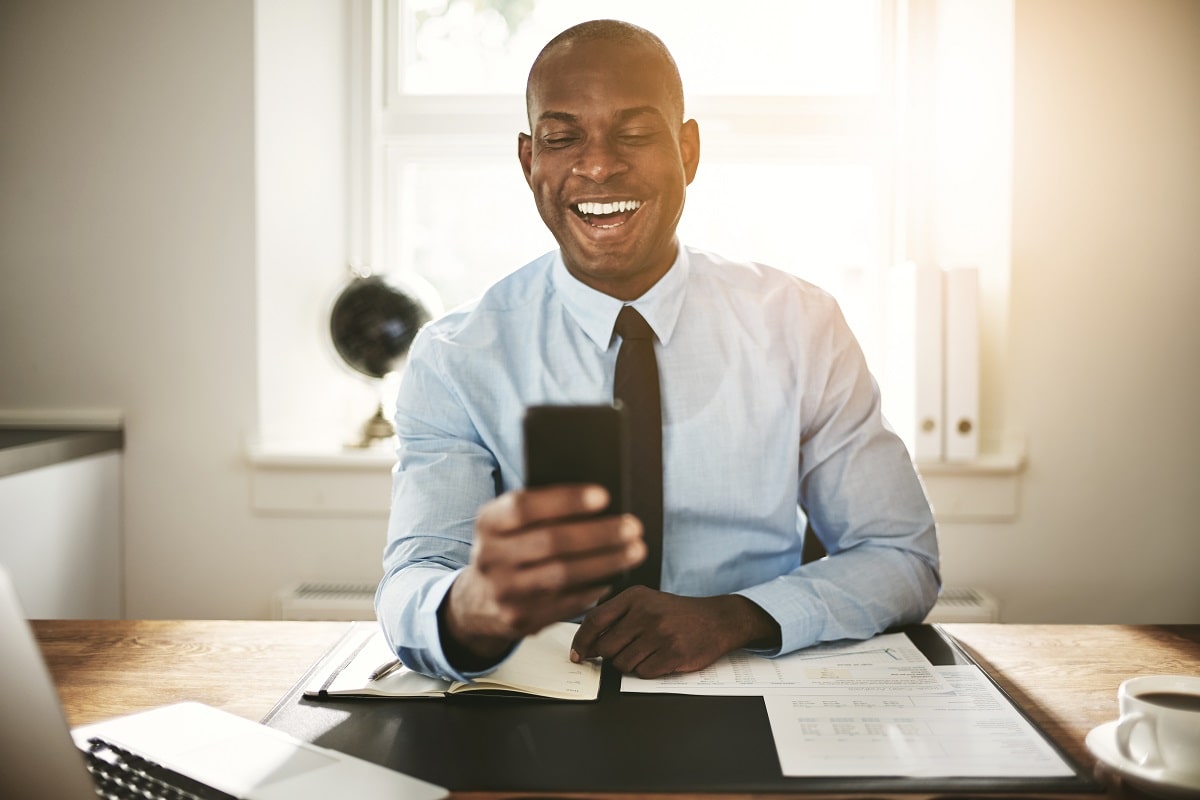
[208, 752]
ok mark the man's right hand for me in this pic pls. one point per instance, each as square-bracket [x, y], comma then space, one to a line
[534, 562]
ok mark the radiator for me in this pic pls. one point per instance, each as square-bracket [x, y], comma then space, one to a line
[351, 601]
[964, 605]
[334, 601]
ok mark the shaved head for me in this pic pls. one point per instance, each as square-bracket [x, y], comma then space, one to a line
[615, 32]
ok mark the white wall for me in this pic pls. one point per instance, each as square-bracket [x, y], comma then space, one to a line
[1104, 353]
[130, 241]
[128, 261]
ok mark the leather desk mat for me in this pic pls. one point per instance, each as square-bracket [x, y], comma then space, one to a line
[621, 743]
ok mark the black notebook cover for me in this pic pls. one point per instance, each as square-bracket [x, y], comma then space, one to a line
[627, 743]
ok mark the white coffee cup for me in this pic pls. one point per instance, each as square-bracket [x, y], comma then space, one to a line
[1160, 723]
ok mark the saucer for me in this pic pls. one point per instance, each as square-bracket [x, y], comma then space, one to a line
[1102, 741]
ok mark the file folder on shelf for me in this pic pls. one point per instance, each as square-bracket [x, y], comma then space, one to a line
[962, 364]
[914, 393]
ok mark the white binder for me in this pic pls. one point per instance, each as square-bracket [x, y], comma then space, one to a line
[962, 364]
[913, 390]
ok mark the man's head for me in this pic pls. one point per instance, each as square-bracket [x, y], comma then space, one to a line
[609, 156]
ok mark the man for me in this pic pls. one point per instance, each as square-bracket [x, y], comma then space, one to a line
[769, 417]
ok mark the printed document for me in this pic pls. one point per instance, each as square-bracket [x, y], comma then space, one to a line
[971, 731]
[886, 664]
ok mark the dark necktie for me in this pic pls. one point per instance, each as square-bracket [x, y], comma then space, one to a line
[635, 384]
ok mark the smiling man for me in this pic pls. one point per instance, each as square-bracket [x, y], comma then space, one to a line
[770, 419]
[609, 158]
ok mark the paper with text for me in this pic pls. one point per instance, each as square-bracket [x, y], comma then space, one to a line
[881, 665]
[972, 731]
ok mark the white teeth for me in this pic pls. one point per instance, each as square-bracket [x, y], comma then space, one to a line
[608, 208]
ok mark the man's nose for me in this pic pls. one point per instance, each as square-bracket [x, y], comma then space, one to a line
[598, 161]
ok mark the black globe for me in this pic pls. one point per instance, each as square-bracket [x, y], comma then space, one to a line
[373, 324]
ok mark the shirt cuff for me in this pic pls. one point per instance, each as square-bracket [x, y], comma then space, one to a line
[798, 626]
[416, 637]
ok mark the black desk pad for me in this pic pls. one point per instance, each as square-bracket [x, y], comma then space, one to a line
[626, 743]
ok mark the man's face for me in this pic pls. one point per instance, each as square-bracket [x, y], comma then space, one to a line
[608, 162]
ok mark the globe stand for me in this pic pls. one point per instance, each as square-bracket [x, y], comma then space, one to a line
[376, 429]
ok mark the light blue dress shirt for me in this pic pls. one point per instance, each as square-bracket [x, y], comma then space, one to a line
[768, 409]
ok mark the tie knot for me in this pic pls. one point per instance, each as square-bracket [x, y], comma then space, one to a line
[632, 325]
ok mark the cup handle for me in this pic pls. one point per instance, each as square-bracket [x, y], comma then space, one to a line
[1125, 728]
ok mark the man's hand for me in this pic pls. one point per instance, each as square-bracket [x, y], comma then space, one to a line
[651, 633]
[534, 562]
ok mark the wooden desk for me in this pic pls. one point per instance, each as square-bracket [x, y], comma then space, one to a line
[1064, 676]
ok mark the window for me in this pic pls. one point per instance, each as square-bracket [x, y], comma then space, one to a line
[796, 102]
[838, 139]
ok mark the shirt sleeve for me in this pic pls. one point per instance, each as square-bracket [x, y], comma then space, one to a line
[865, 503]
[443, 474]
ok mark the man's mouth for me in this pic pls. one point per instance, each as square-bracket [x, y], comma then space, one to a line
[608, 214]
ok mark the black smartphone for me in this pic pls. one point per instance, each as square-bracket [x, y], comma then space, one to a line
[579, 444]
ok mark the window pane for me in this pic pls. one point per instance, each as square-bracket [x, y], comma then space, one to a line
[768, 47]
[812, 220]
[460, 241]
[823, 226]
[818, 221]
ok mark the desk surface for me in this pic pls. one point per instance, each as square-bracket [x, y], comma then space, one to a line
[1064, 677]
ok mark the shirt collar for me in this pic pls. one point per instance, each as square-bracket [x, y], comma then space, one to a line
[596, 312]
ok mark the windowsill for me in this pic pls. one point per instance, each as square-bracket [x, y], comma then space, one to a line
[351, 482]
[984, 490]
[320, 480]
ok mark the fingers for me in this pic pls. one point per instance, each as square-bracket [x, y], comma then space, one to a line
[513, 511]
[650, 633]
[571, 545]
[561, 557]
[535, 540]
[599, 621]
[634, 650]
[535, 561]
[624, 634]
[484, 618]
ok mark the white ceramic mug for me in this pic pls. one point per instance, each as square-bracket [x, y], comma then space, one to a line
[1160, 722]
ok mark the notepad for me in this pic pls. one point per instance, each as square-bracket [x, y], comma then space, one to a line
[539, 667]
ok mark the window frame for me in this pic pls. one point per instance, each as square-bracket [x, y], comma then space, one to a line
[298, 452]
[919, 220]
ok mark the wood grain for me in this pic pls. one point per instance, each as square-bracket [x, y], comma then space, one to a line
[108, 667]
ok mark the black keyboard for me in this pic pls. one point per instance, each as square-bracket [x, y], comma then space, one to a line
[122, 775]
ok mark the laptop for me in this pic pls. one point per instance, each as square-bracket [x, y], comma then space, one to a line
[209, 753]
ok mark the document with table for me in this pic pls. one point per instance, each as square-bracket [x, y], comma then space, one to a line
[874, 708]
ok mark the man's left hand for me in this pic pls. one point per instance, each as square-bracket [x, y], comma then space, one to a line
[650, 633]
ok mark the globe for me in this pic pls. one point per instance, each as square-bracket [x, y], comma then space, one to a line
[373, 323]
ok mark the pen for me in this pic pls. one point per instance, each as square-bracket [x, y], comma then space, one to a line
[385, 669]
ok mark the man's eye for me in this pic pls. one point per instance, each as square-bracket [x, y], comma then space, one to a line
[636, 137]
[559, 141]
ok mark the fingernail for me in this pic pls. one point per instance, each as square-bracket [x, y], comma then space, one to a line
[630, 529]
[595, 497]
[574, 656]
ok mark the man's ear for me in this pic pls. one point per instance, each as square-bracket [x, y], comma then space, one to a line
[689, 148]
[525, 155]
